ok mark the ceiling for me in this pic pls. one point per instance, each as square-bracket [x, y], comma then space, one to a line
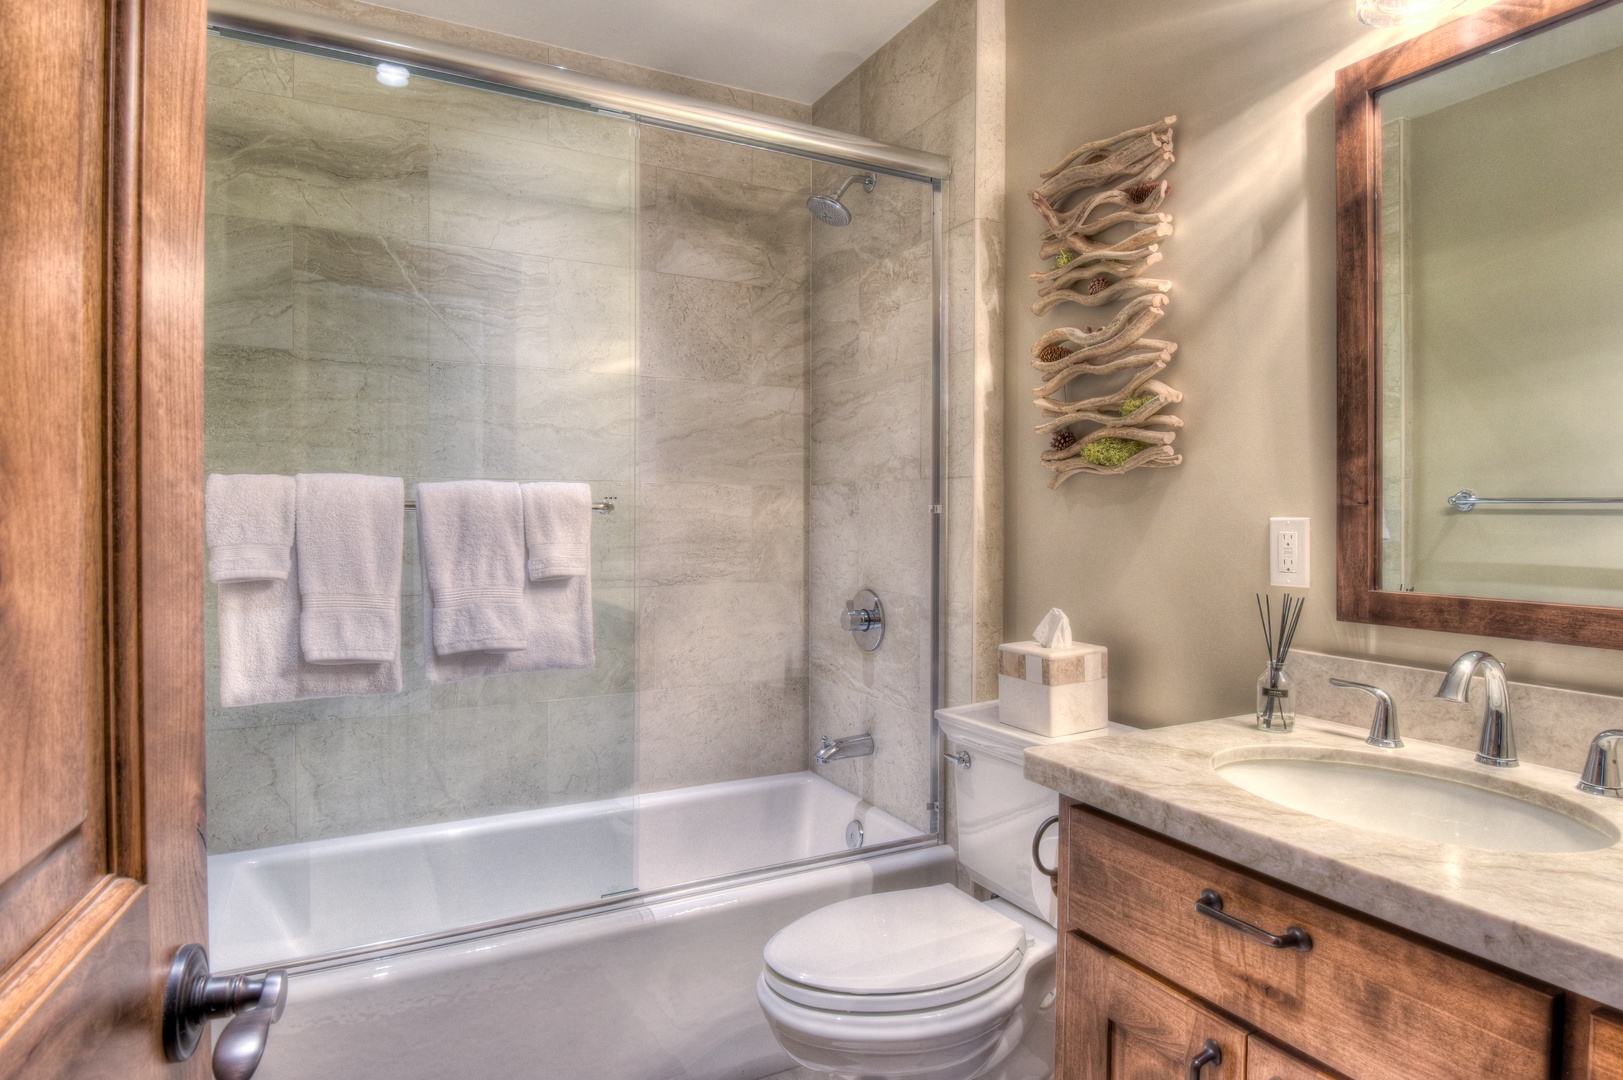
[796, 50]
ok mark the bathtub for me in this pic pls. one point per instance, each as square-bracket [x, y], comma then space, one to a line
[656, 987]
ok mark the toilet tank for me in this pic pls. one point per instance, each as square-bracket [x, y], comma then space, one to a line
[996, 809]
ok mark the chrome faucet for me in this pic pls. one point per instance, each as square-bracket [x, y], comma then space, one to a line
[1603, 772]
[1498, 744]
[850, 746]
[1383, 730]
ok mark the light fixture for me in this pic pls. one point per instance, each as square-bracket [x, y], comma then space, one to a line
[393, 75]
[1397, 12]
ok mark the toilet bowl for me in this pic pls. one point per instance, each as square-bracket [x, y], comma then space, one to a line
[917, 983]
[931, 982]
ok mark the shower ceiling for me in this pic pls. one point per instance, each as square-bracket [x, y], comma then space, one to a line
[788, 50]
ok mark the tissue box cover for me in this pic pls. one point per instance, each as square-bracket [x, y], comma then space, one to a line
[1053, 692]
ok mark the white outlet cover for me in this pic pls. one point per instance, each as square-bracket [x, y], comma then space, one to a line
[1290, 552]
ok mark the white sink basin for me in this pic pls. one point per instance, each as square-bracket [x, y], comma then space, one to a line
[1382, 795]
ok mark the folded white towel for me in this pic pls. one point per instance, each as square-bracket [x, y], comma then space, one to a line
[555, 626]
[557, 530]
[348, 539]
[471, 536]
[260, 659]
[248, 522]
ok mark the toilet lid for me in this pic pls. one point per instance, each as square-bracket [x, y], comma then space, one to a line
[894, 943]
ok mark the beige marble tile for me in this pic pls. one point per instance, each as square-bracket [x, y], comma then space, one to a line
[506, 423]
[871, 534]
[872, 427]
[783, 171]
[782, 108]
[896, 313]
[841, 108]
[591, 748]
[485, 306]
[452, 764]
[285, 160]
[664, 149]
[530, 198]
[719, 433]
[895, 218]
[952, 133]
[248, 282]
[722, 331]
[721, 635]
[358, 295]
[896, 777]
[238, 65]
[345, 777]
[594, 322]
[898, 672]
[834, 331]
[920, 71]
[250, 788]
[706, 734]
[700, 226]
[693, 534]
[348, 415]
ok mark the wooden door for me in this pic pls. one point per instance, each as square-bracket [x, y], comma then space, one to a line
[1265, 1061]
[101, 737]
[1118, 1023]
[1603, 1059]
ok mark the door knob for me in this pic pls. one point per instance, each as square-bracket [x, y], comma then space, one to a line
[192, 997]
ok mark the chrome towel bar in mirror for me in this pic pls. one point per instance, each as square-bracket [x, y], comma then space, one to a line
[1467, 500]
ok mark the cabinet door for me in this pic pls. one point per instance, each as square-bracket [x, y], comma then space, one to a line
[1265, 1061]
[1605, 1047]
[1117, 1023]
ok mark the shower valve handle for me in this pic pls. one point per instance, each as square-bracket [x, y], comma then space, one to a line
[192, 997]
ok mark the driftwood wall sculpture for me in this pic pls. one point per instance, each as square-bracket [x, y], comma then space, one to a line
[1101, 205]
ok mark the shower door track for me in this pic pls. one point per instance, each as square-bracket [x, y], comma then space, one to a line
[613, 903]
[561, 86]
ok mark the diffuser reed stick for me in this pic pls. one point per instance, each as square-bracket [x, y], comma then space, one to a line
[1275, 708]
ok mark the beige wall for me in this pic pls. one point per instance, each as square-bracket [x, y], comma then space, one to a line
[1160, 566]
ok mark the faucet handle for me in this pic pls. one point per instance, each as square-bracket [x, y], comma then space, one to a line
[1603, 770]
[1383, 729]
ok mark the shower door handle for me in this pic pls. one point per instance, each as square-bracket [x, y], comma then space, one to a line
[192, 997]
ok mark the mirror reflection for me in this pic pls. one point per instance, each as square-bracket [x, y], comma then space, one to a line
[1501, 235]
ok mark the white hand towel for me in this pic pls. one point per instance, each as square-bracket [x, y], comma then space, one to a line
[260, 658]
[348, 539]
[558, 530]
[248, 521]
[471, 535]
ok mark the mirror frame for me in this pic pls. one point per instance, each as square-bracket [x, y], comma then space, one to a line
[1358, 350]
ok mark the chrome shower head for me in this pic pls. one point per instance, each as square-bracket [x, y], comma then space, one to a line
[829, 209]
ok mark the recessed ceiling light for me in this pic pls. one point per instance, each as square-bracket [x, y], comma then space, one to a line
[393, 75]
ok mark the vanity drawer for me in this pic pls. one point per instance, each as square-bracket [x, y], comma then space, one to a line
[1366, 1000]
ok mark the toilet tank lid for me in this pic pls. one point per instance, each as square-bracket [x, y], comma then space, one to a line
[894, 942]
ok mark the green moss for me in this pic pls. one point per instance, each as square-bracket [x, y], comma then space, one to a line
[1064, 258]
[1109, 452]
[1133, 404]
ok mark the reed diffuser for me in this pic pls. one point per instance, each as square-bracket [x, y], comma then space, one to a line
[1276, 706]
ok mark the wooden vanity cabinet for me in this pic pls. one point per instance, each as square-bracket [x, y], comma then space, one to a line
[1594, 1042]
[1367, 1000]
[1265, 1061]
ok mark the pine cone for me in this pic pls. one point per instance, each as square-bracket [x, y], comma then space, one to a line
[1052, 353]
[1061, 440]
[1143, 191]
[1098, 285]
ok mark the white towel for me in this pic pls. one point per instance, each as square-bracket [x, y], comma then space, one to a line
[556, 627]
[348, 538]
[260, 658]
[557, 530]
[248, 522]
[471, 536]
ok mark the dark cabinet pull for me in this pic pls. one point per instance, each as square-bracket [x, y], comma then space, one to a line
[1210, 1054]
[1210, 905]
[1036, 852]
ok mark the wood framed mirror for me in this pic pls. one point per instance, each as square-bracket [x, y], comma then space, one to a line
[1479, 322]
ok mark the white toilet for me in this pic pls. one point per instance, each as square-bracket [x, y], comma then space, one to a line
[930, 982]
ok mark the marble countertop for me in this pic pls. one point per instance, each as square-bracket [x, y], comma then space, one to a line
[1556, 918]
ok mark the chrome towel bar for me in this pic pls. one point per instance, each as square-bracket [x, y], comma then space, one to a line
[597, 508]
[1467, 500]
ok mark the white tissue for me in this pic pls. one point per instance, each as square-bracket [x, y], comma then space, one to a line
[1054, 632]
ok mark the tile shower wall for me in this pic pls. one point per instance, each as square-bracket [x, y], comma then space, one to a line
[431, 282]
[937, 86]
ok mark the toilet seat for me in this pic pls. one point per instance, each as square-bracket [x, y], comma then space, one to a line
[935, 944]
[939, 997]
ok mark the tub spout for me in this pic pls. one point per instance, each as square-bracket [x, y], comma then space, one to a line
[850, 746]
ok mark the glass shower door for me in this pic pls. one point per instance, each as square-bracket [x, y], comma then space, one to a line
[416, 279]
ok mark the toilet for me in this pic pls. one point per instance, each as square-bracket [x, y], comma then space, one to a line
[931, 982]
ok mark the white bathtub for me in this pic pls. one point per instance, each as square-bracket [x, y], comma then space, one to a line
[658, 990]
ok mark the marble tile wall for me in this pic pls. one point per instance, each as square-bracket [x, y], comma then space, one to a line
[936, 86]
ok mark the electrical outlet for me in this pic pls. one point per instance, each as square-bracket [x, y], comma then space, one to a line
[1290, 552]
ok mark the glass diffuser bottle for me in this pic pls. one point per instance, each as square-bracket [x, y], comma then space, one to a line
[1276, 705]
